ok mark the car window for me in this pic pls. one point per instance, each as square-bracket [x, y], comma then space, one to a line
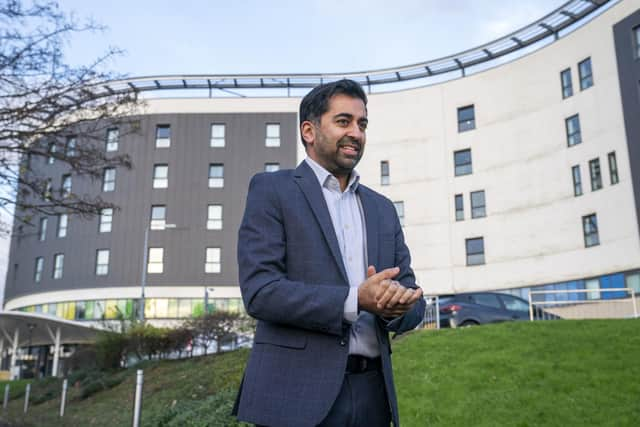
[486, 299]
[514, 304]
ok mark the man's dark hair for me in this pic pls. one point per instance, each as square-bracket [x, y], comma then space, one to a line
[316, 102]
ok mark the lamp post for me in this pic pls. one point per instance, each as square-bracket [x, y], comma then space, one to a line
[145, 260]
[206, 298]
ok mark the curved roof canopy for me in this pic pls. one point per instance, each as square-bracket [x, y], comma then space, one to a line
[39, 329]
[546, 27]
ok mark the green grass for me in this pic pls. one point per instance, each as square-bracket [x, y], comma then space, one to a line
[565, 373]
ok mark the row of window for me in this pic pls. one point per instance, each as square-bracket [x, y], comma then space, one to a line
[595, 174]
[105, 220]
[155, 263]
[585, 74]
[161, 176]
[163, 139]
[596, 285]
[154, 308]
[475, 246]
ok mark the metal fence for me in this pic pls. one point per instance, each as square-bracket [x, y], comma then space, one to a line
[431, 318]
[597, 303]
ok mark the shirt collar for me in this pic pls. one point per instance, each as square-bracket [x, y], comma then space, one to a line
[324, 176]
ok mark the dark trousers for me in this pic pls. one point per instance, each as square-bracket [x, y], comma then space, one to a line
[362, 402]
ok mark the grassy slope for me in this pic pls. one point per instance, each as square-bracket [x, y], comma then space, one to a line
[517, 374]
[566, 373]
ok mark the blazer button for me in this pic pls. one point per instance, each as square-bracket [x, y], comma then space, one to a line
[343, 342]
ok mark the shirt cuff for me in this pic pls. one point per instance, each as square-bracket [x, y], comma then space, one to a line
[351, 306]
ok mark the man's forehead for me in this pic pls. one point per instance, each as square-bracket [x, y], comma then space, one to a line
[345, 104]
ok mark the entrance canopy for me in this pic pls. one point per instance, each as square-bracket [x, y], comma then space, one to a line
[34, 329]
[20, 329]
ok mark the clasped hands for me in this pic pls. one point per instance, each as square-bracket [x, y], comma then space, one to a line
[382, 295]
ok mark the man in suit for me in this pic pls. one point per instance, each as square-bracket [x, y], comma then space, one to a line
[325, 270]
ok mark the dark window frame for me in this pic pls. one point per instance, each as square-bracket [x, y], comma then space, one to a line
[458, 202]
[575, 137]
[613, 168]
[385, 178]
[590, 230]
[586, 80]
[469, 254]
[567, 86]
[479, 211]
[460, 169]
[466, 123]
[595, 173]
[577, 180]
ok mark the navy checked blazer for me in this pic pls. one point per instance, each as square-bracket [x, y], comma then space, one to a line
[294, 283]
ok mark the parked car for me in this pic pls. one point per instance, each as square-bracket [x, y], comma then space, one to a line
[477, 308]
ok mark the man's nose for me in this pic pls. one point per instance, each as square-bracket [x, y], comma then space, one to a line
[354, 131]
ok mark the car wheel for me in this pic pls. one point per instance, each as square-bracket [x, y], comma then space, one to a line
[468, 323]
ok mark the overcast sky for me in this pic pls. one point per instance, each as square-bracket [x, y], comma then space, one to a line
[261, 36]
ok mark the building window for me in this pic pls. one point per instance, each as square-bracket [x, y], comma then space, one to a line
[567, 85]
[613, 168]
[63, 221]
[155, 264]
[384, 172]
[47, 189]
[475, 251]
[596, 177]
[271, 167]
[273, 135]
[109, 179]
[216, 176]
[65, 191]
[586, 75]
[400, 211]
[478, 206]
[636, 41]
[70, 147]
[572, 125]
[577, 180]
[462, 161]
[163, 136]
[459, 202]
[158, 217]
[106, 218]
[52, 150]
[37, 274]
[212, 260]
[218, 131]
[113, 137]
[160, 176]
[58, 266]
[214, 217]
[590, 229]
[466, 118]
[102, 262]
[42, 230]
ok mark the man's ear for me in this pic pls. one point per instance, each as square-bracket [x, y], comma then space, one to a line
[308, 132]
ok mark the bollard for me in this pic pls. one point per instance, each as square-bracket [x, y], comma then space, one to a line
[27, 391]
[137, 404]
[5, 402]
[63, 397]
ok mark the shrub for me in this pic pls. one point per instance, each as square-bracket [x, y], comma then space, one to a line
[214, 411]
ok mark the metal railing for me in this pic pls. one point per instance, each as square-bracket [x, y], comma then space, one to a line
[598, 303]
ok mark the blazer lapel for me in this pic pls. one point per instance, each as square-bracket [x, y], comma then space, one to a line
[308, 183]
[371, 219]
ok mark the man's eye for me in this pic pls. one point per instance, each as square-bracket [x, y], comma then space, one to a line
[363, 125]
[342, 122]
